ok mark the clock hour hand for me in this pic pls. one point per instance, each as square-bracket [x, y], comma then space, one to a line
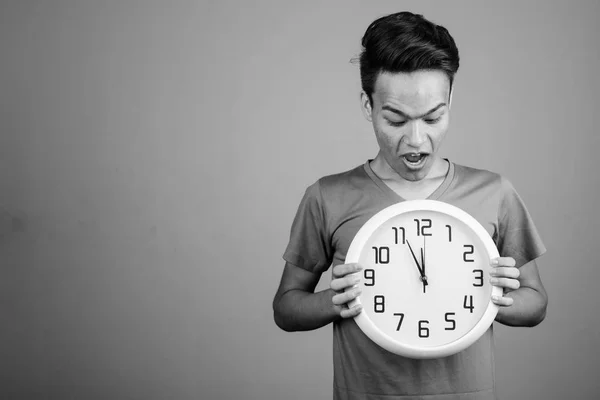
[423, 259]
[423, 277]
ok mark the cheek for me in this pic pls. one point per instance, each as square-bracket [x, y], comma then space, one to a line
[436, 142]
[439, 132]
[388, 137]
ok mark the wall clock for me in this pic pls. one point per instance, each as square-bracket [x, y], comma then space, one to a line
[425, 282]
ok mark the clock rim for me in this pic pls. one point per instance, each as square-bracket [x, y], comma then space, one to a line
[380, 337]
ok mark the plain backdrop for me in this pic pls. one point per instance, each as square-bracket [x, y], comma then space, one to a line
[153, 155]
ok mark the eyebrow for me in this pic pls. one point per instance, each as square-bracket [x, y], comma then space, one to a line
[395, 111]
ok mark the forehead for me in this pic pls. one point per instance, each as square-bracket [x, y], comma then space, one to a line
[412, 90]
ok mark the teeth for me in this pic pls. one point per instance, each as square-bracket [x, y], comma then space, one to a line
[414, 158]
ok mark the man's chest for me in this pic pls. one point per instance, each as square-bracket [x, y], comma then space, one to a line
[413, 192]
[345, 229]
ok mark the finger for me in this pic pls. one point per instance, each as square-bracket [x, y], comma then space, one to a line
[502, 301]
[347, 281]
[342, 270]
[351, 312]
[505, 283]
[506, 272]
[504, 262]
[345, 297]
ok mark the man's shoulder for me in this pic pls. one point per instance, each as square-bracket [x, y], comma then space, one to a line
[345, 180]
[342, 187]
[478, 176]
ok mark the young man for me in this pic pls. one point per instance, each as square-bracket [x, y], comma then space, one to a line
[407, 68]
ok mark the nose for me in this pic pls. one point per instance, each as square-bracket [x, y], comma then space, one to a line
[415, 136]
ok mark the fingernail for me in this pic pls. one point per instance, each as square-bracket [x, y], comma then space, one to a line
[494, 281]
[495, 298]
[356, 279]
[495, 261]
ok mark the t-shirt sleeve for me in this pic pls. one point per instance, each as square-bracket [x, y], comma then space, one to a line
[518, 236]
[309, 246]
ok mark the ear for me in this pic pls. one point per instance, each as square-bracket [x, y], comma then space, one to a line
[366, 106]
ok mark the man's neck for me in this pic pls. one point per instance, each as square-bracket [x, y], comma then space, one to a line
[406, 189]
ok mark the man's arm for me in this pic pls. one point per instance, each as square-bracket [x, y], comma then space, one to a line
[524, 303]
[297, 307]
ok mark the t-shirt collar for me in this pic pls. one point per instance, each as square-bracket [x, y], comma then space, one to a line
[436, 195]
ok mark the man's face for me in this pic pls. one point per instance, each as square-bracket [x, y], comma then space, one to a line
[410, 116]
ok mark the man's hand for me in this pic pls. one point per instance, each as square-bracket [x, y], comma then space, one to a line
[343, 279]
[505, 275]
[525, 300]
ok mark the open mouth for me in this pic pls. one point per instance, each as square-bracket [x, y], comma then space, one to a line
[415, 160]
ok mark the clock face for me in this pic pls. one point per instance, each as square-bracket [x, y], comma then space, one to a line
[425, 279]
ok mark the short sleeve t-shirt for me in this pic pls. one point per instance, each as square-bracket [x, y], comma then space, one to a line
[330, 214]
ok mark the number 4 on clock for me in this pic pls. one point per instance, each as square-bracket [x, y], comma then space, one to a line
[468, 305]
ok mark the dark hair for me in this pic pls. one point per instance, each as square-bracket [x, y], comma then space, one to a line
[405, 42]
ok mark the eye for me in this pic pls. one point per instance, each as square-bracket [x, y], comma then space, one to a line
[433, 120]
[396, 123]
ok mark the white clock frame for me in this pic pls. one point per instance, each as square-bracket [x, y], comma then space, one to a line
[380, 337]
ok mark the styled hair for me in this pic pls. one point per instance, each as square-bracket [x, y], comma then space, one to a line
[405, 42]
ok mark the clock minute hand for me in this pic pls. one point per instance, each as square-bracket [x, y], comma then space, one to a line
[415, 258]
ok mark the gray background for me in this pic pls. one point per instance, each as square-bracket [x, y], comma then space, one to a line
[152, 157]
